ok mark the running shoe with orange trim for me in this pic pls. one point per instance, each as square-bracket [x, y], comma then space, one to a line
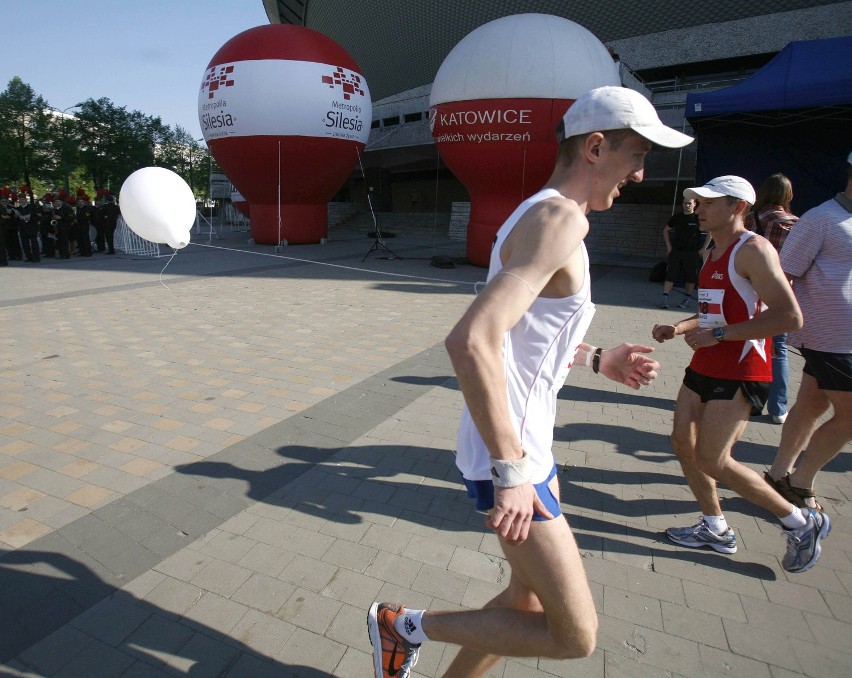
[393, 656]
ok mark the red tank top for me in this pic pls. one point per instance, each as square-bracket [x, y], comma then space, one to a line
[726, 298]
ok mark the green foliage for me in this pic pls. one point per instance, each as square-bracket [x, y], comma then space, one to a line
[25, 132]
[98, 146]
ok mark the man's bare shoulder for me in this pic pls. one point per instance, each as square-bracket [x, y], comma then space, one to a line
[757, 249]
[555, 217]
[755, 256]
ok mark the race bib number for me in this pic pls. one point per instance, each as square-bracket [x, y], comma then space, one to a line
[710, 313]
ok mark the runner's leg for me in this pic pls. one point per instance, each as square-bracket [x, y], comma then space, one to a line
[549, 565]
[687, 414]
[722, 424]
[811, 404]
[827, 440]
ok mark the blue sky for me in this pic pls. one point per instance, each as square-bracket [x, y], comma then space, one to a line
[146, 55]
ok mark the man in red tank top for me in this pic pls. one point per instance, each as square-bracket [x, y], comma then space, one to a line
[744, 299]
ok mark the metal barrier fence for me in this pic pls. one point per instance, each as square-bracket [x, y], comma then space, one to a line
[130, 243]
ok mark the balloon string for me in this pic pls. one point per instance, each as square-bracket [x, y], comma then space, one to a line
[323, 263]
[164, 270]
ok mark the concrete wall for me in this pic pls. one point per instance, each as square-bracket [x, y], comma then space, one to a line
[752, 35]
[624, 234]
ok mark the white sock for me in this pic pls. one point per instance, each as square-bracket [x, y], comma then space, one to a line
[717, 524]
[410, 626]
[795, 519]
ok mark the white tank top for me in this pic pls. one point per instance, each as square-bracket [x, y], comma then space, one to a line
[537, 354]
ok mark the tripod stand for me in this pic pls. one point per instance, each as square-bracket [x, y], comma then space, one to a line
[379, 244]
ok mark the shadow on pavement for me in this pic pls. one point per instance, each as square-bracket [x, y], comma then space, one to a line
[40, 592]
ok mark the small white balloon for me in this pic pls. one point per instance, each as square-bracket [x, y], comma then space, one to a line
[158, 205]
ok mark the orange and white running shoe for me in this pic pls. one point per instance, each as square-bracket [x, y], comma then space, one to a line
[393, 656]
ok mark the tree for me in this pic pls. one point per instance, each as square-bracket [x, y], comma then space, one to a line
[26, 151]
[114, 143]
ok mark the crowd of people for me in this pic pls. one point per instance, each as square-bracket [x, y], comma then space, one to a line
[58, 226]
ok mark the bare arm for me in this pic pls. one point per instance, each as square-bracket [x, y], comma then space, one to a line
[626, 363]
[546, 239]
[666, 237]
[663, 333]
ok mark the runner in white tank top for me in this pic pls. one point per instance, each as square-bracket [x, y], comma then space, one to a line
[537, 352]
[511, 352]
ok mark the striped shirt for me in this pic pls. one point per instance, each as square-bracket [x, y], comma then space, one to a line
[775, 222]
[818, 255]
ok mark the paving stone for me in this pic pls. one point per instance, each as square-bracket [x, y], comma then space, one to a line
[96, 660]
[308, 649]
[647, 646]
[352, 588]
[720, 603]
[308, 573]
[349, 555]
[266, 559]
[478, 565]
[50, 654]
[719, 663]
[173, 596]
[202, 656]
[263, 593]
[438, 582]
[113, 619]
[309, 610]
[221, 577]
[770, 645]
[821, 662]
[249, 666]
[632, 607]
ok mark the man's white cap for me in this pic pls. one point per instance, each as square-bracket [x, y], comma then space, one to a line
[736, 187]
[849, 158]
[607, 108]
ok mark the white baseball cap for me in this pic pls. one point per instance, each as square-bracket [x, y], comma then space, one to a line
[735, 187]
[607, 108]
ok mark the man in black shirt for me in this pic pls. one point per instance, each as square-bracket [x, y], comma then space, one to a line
[85, 216]
[28, 229]
[109, 220]
[683, 245]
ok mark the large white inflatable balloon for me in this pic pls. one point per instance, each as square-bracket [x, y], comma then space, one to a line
[158, 205]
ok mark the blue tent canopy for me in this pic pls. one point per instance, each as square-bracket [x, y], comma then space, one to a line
[804, 74]
[793, 116]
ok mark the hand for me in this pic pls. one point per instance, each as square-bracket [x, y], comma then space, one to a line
[627, 365]
[663, 332]
[699, 338]
[513, 511]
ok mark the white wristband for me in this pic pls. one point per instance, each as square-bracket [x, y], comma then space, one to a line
[510, 473]
[590, 353]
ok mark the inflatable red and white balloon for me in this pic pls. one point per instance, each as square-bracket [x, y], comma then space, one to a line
[495, 104]
[285, 111]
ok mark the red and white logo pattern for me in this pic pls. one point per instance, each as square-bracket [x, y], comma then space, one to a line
[216, 78]
[350, 82]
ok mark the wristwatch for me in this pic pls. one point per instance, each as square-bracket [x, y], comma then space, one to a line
[719, 334]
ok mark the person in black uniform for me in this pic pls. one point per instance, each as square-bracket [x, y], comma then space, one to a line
[5, 218]
[683, 245]
[11, 241]
[46, 228]
[85, 216]
[63, 215]
[109, 221]
[29, 229]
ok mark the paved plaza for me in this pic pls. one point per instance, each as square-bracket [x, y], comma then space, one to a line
[215, 469]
